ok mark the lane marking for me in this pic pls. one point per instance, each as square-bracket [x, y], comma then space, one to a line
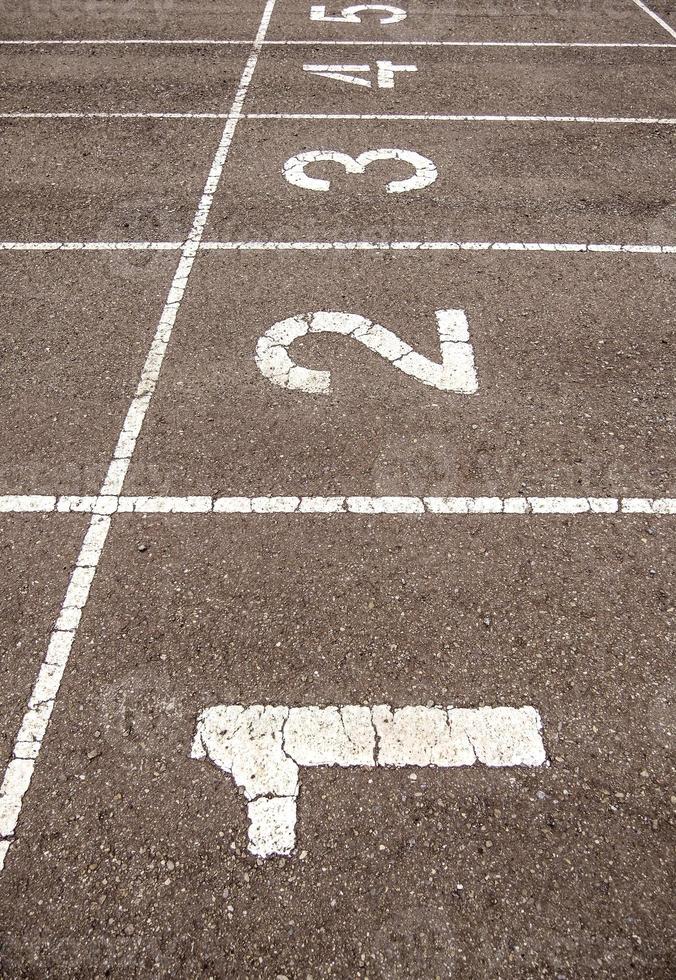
[651, 13]
[425, 171]
[90, 246]
[456, 372]
[350, 15]
[354, 117]
[541, 506]
[263, 748]
[403, 246]
[55, 42]
[385, 73]
[441, 117]
[35, 721]
[462, 44]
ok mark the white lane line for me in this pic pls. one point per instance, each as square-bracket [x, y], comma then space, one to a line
[56, 42]
[264, 747]
[401, 246]
[215, 42]
[577, 247]
[35, 721]
[477, 44]
[440, 117]
[353, 117]
[116, 115]
[90, 246]
[109, 504]
[651, 13]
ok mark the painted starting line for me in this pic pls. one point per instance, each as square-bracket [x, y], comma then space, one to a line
[105, 504]
[216, 42]
[398, 246]
[353, 117]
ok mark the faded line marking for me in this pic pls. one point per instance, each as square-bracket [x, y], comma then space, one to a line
[91, 246]
[352, 116]
[441, 117]
[403, 246]
[651, 13]
[347, 43]
[263, 747]
[35, 721]
[335, 504]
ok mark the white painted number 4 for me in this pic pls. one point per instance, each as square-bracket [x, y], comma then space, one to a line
[350, 15]
[348, 73]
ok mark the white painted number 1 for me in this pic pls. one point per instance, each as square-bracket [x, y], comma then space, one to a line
[350, 15]
[348, 73]
[456, 372]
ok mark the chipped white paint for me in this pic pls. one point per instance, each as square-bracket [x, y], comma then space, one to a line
[41, 703]
[425, 171]
[350, 15]
[651, 13]
[218, 42]
[455, 373]
[264, 747]
[396, 246]
[448, 118]
[412, 246]
[353, 116]
[385, 73]
[397, 505]
[429, 44]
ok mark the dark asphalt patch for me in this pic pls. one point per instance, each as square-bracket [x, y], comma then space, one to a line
[574, 355]
[227, 19]
[37, 553]
[118, 78]
[131, 856]
[76, 332]
[105, 180]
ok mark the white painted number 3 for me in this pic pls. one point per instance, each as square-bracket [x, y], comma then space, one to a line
[350, 15]
[425, 171]
[456, 372]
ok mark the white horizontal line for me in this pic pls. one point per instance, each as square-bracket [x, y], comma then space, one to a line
[119, 115]
[438, 117]
[400, 246]
[354, 117]
[128, 40]
[90, 246]
[335, 43]
[404, 246]
[339, 504]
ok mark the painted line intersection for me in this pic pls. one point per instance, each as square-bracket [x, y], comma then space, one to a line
[260, 742]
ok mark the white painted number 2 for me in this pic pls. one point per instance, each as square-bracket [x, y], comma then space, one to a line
[349, 73]
[456, 372]
[350, 15]
[425, 171]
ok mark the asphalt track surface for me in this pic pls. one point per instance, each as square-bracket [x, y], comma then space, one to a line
[188, 524]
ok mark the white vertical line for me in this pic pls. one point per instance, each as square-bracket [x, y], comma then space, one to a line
[35, 721]
[651, 13]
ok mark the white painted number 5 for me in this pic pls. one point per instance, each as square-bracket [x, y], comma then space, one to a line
[350, 15]
[425, 171]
